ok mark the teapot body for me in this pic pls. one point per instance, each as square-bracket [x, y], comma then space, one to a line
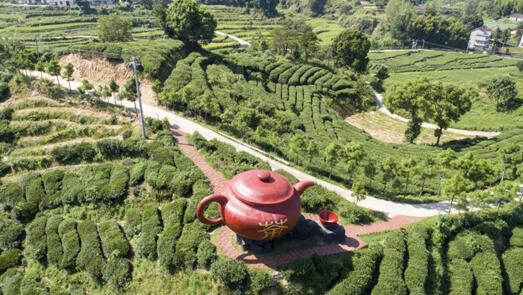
[258, 205]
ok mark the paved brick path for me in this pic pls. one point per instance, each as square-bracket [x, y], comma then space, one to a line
[226, 237]
[215, 177]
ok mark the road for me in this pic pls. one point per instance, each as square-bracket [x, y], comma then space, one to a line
[189, 126]
[382, 108]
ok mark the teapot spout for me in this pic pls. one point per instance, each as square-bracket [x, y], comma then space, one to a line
[301, 186]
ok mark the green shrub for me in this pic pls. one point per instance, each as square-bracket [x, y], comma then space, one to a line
[360, 279]
[259, 281]
[461, 277]
[73, 154]
[517, 237]
[109, 148]
[90, 257]
[206, 254]
[137, 172]
[117, 272]
[10, 195]
[187, 245]
[118, 183]
[10, 282]
[487, 272]
[10, 231]
[418, 266]
[72, 188]
[133, 222]
[53, 185]
[32, 283]
[36, 241]
[113, 240]
[70, 243]
[146, 242]
[173, 212]
[54, 244]
[7, 134]
[6, 114]
[513, 262]
[390, 280]
[232, 273]
[34, 191]
[167, 246]
[200, 190]
[9, 258]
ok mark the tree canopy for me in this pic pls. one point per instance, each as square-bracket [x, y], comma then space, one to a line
[350, 48]
[114, 28]
[185, 20]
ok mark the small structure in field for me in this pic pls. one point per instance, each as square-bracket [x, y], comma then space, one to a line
[480, 38]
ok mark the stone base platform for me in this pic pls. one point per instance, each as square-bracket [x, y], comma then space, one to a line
[225, 241]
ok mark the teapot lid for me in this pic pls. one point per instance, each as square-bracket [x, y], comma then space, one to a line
[261, 187]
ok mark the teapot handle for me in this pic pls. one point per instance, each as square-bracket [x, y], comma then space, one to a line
[221, 200]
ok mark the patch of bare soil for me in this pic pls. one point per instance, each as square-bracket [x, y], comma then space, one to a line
[96, 70]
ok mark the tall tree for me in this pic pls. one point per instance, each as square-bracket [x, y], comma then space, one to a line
[447, 104]
[53, 68]
[407, 168]
[456, 187]
[297, 146]
[503, 91]
[389, 170]
[312, 149]
[67, 74]
[114, 87]
[185, 20]
[296, 39]
[114, 28]
[332, 154]
[399, 13]
[351, 48]
[131, 92]
[359, 192]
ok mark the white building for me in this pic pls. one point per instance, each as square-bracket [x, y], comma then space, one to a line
[517, 17]
[480, 38]
[67, 3]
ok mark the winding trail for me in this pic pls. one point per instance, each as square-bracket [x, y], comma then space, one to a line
[237, 39]
[189, 126]
[378, 97]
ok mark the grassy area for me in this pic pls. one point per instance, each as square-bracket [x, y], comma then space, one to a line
[468, 70]
[387, 129]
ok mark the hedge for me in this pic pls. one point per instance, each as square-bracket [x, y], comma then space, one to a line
[10, 282]
[259, 281]
[200, 190]
[9, 258]
[206, 254]
[461, 277]
[146, 242]
[117, 272]
[173, 212]
[113, 240]
[172, 215]
[513, 262]
[10, 195]
[187, 245]
[418, 266]
[74, 153]
[109, 149]
[118, 182]
[10, 232]
[90, 257]
[133, 222]
[6, 114]
[34, 191]
[487, 271]
[359, 281]
[390, 280]
[232, 273]
[517, 237]
[54, 244]
[70, 243]
[53, 185]
[36, 241]
[136, 173]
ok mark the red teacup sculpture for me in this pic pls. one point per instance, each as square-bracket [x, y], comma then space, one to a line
[259, 205]
[328, 218]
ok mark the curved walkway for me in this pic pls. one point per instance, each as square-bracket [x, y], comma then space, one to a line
[382, 108]
[239, 40]
[188, 126]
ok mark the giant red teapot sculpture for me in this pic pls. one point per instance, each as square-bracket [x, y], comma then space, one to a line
[259, 205]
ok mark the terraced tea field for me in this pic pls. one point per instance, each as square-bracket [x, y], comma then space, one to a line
[468, 70]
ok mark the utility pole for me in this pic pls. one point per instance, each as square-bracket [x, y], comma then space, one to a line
[134, 64]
